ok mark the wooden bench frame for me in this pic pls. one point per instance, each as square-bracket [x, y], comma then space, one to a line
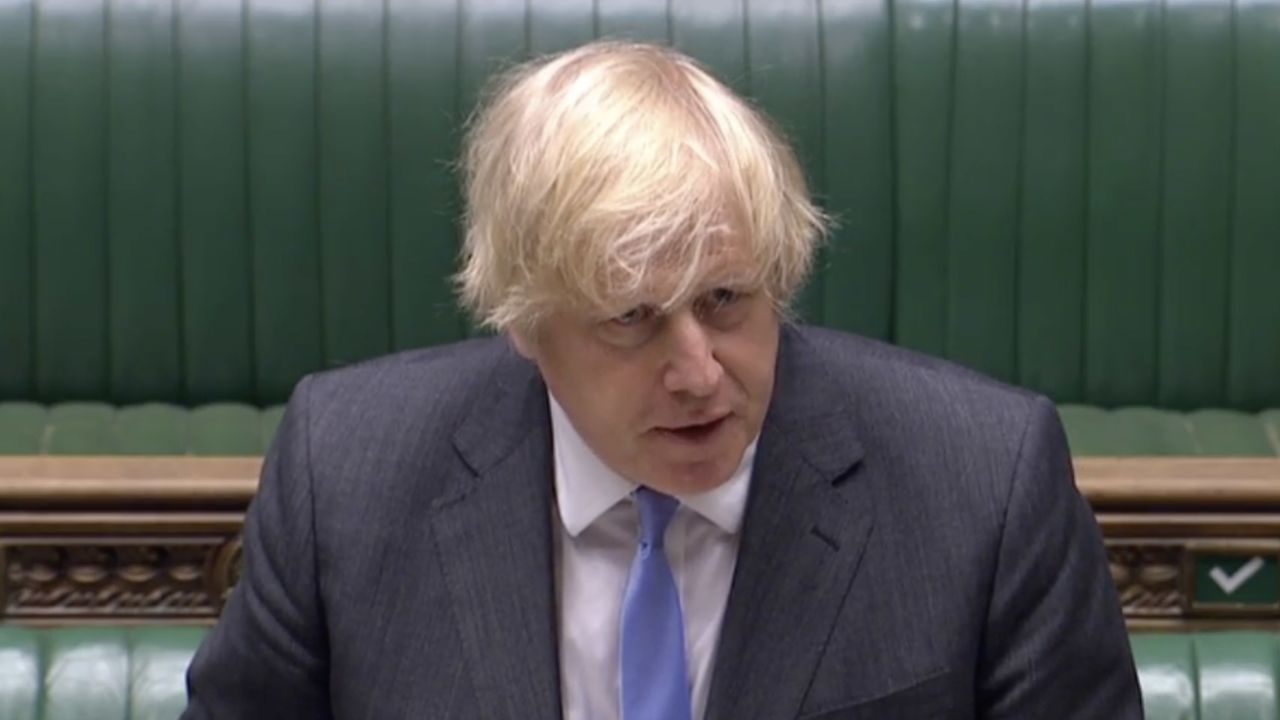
[156, 539]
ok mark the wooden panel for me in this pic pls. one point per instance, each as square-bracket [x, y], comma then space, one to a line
[130, 521]
[1197, 484]
[114, 539]
[28, 482]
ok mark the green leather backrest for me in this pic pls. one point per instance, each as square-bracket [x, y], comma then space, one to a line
[104, 673]
[113, 673]
[202, 201]
[1150, 431]
[1209, 676]
[148, 429]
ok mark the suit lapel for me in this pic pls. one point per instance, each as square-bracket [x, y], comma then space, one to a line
[493, 535]
[805, 531]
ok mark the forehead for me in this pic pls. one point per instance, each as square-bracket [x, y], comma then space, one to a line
[670, 284]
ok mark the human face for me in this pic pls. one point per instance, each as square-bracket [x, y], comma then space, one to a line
[670, 401]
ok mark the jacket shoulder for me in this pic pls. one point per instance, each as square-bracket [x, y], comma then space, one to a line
[883, 379]
[418, 396]
[946, 433]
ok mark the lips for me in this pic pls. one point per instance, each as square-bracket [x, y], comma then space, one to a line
[697, 432]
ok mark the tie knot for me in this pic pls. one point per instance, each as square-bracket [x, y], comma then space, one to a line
[656, 510]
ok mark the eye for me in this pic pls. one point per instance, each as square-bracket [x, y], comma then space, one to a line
[724, 296]
[717, 299]
[630, 329]
[633, 317]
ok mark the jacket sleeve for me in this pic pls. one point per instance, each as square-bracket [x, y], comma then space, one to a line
[1055, 645]
[268, 655]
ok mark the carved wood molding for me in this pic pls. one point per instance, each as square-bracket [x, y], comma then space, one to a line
[156, 539]
[128, 483]
[73, 578]
[1148, 578]
[1170, 484]
[1169, 522]
[121, 539]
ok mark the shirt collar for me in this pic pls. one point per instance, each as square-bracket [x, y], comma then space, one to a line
[586, 487]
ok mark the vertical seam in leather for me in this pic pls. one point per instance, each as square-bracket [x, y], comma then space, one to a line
[110, 391]
[953, 50]
[459, 17]
[1080, 381]
[180, 291]
[1087, 203]
[42, 669]
[1196, 446]
[33, 292]
[1019, 192]
[254, 391]
[818, 276]
[1194, 665]
[894, 205]
[46, 435]
[823, 171]
[317, 178]
[1233, 92]
[1163, 395]
[460, 113]
[129, 648]
[1274, 659]
[388, 232]
[1273, 435]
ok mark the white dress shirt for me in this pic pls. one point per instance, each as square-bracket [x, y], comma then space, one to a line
[598, 530]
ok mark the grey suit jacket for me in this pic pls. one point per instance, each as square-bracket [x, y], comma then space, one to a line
[914, 547]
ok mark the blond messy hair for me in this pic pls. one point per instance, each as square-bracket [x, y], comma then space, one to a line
[594, 175]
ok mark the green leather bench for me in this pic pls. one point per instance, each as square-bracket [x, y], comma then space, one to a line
[139, 674]
[97, 428]
[200, 202]
[95, 673]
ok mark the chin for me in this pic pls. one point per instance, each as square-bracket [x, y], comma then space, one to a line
[697, 478]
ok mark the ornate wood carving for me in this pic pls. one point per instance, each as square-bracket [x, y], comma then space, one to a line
[157, 539]
[1148, 578]
[227, 565]
[121, 539]
[147, 578]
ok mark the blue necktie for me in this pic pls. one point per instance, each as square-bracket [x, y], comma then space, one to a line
[655, 679]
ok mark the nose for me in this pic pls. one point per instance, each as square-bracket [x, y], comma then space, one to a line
[692, 368]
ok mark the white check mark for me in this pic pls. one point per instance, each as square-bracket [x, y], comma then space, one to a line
[1231, 583]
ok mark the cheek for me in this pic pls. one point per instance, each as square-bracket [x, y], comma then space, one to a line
[751, 353]
[750, 366]
[613, 396]
[627, 396]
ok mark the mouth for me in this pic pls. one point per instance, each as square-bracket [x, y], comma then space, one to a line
[694, 433]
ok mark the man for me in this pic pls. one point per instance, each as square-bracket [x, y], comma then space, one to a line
[653, 497]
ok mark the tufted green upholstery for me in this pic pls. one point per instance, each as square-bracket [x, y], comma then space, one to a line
[95, 673]
[148, 429]
[239, 429]
[199, 202]
[1213, 676]
[139, 674]
[1151, 431]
